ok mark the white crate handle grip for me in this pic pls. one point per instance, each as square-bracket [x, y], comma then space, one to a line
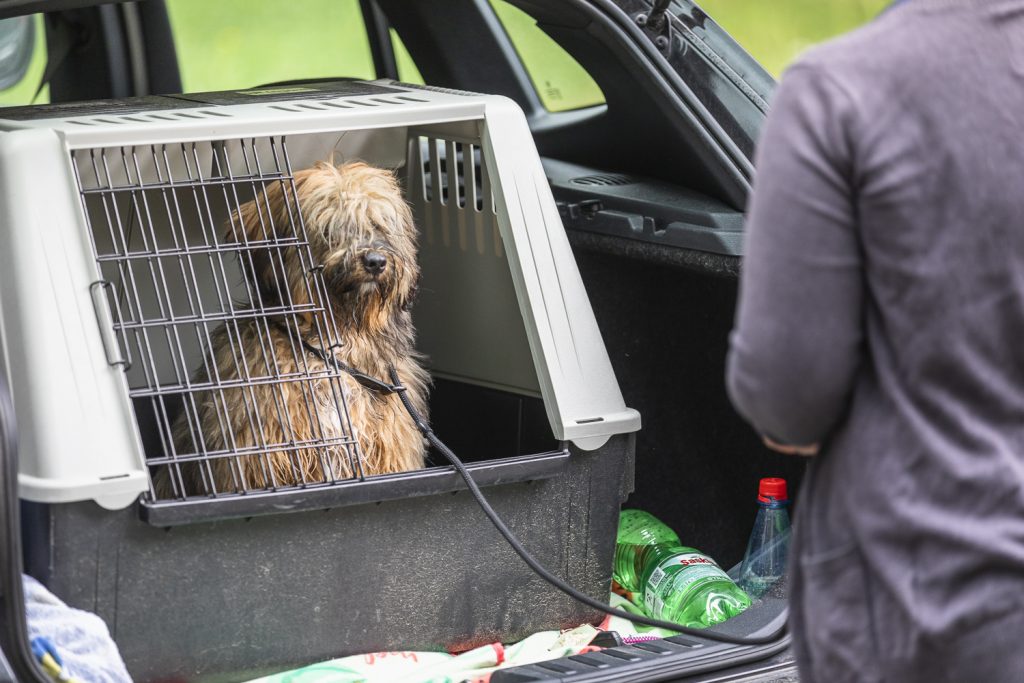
[105, 321]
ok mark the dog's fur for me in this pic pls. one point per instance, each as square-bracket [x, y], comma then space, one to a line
[348, 211]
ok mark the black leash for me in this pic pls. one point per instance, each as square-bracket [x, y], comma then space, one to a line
[396, 387]
[536, 566]
[372, 383]
[369, 381]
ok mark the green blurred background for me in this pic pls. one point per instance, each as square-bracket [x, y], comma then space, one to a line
[253, 43]
[776, 31]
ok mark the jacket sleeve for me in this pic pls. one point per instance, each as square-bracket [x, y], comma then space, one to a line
[796, 346]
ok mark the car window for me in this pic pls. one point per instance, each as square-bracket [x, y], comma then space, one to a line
[561, 82]
[407, 70]
[775, 33]
[241, 44]
[22, 92]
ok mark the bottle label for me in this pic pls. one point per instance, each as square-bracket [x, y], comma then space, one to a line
[678, 574]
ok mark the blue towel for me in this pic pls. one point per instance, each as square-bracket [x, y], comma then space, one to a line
[82, 640]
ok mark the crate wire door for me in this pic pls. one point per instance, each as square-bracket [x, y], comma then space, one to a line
[180, 278]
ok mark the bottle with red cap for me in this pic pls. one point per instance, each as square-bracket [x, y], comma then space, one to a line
[764, 563]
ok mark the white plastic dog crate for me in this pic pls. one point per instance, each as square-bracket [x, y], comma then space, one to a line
[108, 217]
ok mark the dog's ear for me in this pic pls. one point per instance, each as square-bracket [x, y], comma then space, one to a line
[271, 216]
[407, 229]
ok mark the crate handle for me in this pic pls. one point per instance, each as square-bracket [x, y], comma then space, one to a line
[100, 304]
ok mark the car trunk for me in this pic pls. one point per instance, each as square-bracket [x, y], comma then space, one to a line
[663, 289]
[651, 192]
[665, 314]
[666, 327]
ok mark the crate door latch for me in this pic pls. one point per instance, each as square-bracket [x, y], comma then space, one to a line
[101, 306]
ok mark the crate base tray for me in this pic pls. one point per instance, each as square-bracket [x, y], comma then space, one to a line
[231, 599]
[425, 482]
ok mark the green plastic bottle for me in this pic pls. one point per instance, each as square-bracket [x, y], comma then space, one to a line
[676, 583]
[639, 532]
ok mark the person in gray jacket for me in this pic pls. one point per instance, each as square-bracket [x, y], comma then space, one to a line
[880, 330]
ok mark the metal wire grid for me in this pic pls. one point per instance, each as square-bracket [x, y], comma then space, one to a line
[167, 269]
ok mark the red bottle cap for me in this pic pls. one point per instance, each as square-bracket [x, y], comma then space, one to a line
[772, 489]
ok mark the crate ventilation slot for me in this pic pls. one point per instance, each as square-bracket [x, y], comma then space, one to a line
[327, 105]
[434, 88]
[149, 118]
[292, 107]
[455, 181]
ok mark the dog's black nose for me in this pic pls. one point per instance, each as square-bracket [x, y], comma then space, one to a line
[375, 262]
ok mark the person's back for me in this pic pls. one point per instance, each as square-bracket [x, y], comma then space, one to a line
[882, 311]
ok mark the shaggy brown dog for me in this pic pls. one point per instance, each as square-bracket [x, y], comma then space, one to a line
[291, 424]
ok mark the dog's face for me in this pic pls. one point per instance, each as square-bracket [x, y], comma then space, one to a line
[359, 229]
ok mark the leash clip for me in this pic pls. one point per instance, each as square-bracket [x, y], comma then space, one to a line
[374, 384]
